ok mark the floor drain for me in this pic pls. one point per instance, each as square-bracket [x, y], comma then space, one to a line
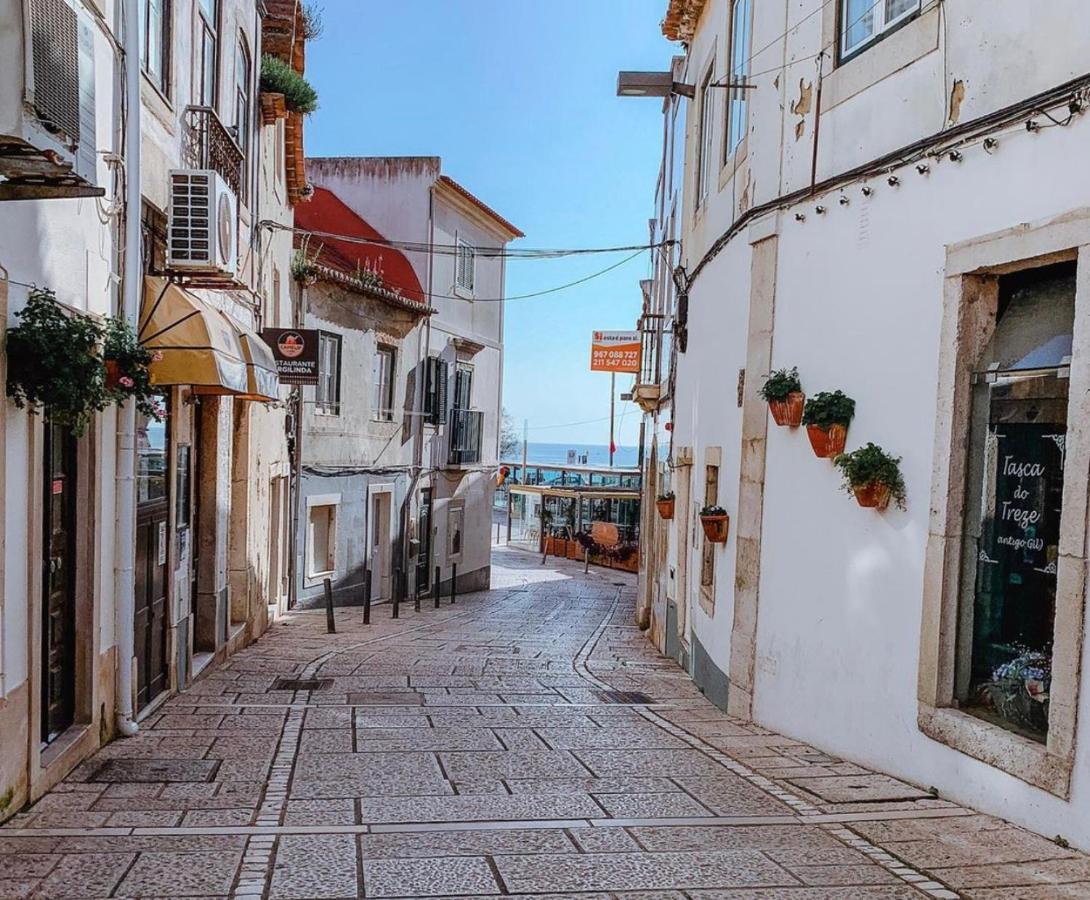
[630, 697]
[301, 684]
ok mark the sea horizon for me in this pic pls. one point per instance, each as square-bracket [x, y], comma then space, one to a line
[556, 453]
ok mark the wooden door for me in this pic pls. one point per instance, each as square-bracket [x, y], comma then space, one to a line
[59, 582]
[423, 537]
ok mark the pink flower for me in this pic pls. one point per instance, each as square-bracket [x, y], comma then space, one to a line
[157, 356]
[125, 381]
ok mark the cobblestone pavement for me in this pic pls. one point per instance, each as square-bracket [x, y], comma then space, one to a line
[526, 741]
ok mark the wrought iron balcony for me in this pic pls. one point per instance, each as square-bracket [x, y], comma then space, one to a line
[208, 144]
[465, 429]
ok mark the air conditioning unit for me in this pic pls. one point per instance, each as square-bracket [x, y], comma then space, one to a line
[202, 224]
[47, 95]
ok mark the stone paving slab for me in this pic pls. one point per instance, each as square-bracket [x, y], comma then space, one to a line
[469, 752]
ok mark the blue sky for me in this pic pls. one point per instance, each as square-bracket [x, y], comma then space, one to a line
[518, 98]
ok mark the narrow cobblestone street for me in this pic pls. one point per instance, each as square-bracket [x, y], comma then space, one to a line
[525, 741]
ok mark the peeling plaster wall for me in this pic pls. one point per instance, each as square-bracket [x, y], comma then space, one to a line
[858, 303]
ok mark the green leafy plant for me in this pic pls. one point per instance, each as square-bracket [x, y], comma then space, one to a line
[825, 409]
[277, 77]
[129, 361]
[780, 384]
[713, 511]
[302, 267]
[872, 465]
[669, 495]
[54, 362]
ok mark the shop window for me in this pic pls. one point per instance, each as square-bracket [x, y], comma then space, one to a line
[321, 540]
[707, 558]
[1013, 503]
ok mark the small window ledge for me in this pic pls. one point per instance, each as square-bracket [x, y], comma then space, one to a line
[1019, 756]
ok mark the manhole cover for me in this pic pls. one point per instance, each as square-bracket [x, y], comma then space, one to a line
[630, 697]
[144, 770]
[301, 684]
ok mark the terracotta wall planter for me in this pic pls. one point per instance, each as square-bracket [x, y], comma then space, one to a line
[827, 442]
[665, 508]
[788, 412]
[113, 374]
[716, 528]
[874, 495]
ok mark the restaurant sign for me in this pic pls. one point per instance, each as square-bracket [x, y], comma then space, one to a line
[296, 353]
[615, 351]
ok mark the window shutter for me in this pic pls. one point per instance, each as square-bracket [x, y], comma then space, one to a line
[442, 373]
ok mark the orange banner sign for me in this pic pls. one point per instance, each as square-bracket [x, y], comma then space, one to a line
[615, 351]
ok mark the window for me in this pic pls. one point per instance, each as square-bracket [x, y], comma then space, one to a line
[382, 383]
[704, 144]
[465, 263]
[328, 391]
[863, 21]
[207, 52]
[321, 540]
[463, 387]
[455, 524]
[435, 391]
[242, 96]
[155, 42]
[1013, 503]
[741, 23]
[151, 455]
[707, 561]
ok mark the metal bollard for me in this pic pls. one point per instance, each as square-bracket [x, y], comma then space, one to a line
[395, 595]
[435, 585]
[330, 624]
[586, 560]
[366, 597]
[416, 598]
[453, 583]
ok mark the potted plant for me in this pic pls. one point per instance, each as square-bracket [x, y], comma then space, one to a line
[54, 362]
[716, 523]
[127, 364]
[277, 77]
[873, 476]
[782, 391]
[826, 417]
[665, 504]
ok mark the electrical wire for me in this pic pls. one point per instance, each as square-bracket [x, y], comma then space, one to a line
[454, 249]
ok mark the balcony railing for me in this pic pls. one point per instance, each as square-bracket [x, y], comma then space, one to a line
[464, 446]
[208, 144]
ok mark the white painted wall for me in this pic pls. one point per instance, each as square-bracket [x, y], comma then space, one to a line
[858, 303]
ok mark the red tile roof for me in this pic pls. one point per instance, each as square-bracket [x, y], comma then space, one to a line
[344, 261]
[482, 206]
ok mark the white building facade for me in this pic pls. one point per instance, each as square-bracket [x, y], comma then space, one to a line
[401, 436]
[107, 608]
[871, 197]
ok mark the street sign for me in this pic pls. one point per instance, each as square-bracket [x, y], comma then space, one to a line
[296, 353]
[615, 351]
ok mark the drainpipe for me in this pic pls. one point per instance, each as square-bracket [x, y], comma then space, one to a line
[125, 532]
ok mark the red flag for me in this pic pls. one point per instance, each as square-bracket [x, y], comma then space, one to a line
[612, 447]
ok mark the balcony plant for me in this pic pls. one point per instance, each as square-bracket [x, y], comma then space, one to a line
[665, 505]
[873, 476]
[782, 391]
[55, 362]
[826, 417]
[277, 77]
[127, 364]
[716, 523]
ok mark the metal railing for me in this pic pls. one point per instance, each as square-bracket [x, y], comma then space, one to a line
[208, 144]
[465, 428]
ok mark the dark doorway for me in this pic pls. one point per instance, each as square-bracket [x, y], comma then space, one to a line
[423, 537]
[59, 582]
[152, 531]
